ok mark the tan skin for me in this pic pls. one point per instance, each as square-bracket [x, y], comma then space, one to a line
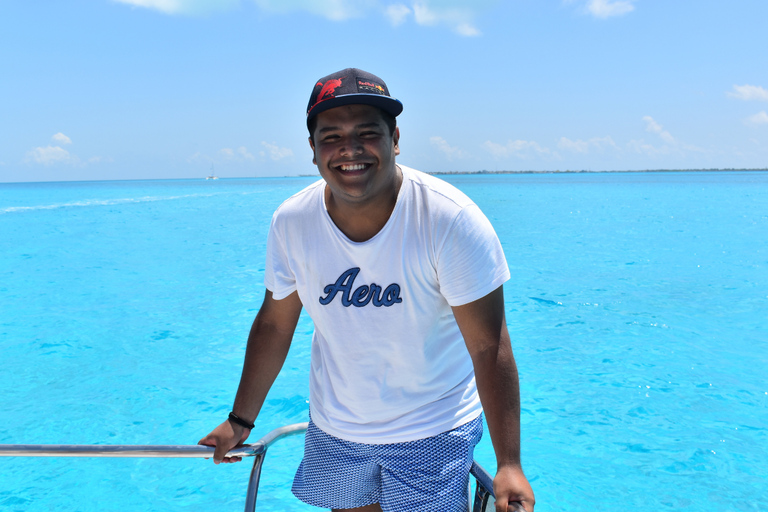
[355, 154]
[359, 201]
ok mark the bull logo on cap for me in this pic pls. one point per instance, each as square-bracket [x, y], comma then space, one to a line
[328, 89]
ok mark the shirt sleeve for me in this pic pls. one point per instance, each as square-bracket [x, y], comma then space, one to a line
[278, 276]
[471, 262]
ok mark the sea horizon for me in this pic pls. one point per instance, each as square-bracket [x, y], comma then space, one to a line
[433, 173]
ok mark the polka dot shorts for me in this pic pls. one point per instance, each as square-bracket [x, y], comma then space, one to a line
[425, 475]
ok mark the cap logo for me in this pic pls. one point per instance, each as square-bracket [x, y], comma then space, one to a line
[329, 89]
[370, 87]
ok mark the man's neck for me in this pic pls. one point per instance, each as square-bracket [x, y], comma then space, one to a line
[362, 221]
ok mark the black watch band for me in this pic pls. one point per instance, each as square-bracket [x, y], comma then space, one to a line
[234, 418]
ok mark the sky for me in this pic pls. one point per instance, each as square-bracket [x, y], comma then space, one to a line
[166, 89]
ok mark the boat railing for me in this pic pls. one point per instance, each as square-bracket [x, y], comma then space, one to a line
[483, 499]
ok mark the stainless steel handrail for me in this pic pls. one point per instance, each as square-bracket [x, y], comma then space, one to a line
[483, 498]
[266, 442]
[257, 449]
[115, 450]
[164, 451]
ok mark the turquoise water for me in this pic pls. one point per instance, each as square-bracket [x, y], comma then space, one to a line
[637, 310]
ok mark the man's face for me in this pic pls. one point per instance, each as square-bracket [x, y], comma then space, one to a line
[355, 153]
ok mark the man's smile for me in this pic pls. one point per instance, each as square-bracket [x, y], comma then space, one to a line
[350, 168]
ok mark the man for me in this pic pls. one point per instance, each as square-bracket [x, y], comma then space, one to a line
[402, 276]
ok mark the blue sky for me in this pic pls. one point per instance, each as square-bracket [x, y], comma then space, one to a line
[135, 89]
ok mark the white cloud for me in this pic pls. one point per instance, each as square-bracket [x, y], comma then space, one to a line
[243, 152]
[651, 125]
[50, 155]
[199, 157]
[397, 13]
[654, 127]
[670, 146]
[759, 118]
[61, 138]
[459, 18]
[518, 148]
[424, 15]
[239, 154]
[166, 6]
[183, 6]
[275, 152]
[749, 92]
[640, 146]
[450, 151]
[466, 30]
[609, 8]
[586, 146]
[455, 14]
[334, 10]
[606, 8]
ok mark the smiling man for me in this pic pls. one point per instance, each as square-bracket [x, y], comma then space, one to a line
[402, 276]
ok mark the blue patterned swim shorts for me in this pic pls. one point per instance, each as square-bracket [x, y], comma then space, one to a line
[425, 475]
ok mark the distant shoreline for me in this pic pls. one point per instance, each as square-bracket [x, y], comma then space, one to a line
[568, 171]
[593, 172]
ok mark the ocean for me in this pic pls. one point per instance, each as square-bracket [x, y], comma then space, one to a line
[638, 310]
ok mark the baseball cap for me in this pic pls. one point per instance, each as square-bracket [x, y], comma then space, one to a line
[351, 86]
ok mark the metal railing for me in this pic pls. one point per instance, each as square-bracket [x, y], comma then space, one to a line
[483, 496]
[257, 450]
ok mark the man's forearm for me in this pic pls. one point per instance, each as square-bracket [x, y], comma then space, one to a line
[498, 386]
[484, 328]
[268, 343]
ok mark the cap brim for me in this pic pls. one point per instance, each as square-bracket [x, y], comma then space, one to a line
[385, 103]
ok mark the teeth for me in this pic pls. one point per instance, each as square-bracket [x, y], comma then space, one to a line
[355, 167]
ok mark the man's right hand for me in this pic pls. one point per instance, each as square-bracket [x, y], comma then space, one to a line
[225, 437]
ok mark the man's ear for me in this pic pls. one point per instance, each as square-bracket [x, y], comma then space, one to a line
[396, 140]
[312, 145]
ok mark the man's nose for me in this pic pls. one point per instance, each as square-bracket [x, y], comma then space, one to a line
[352, 147]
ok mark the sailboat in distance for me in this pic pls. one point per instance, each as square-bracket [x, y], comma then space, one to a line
[212, 176]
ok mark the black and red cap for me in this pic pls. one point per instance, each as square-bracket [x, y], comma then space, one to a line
[351, 86]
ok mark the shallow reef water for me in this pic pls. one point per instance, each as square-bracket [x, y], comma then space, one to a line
[636, 309]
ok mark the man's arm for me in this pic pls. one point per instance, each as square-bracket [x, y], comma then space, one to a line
[268, 344]
[484, 328]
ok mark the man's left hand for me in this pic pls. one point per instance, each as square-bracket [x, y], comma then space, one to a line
[509, 486]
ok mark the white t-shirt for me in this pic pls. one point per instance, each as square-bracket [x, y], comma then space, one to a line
[388, 363]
